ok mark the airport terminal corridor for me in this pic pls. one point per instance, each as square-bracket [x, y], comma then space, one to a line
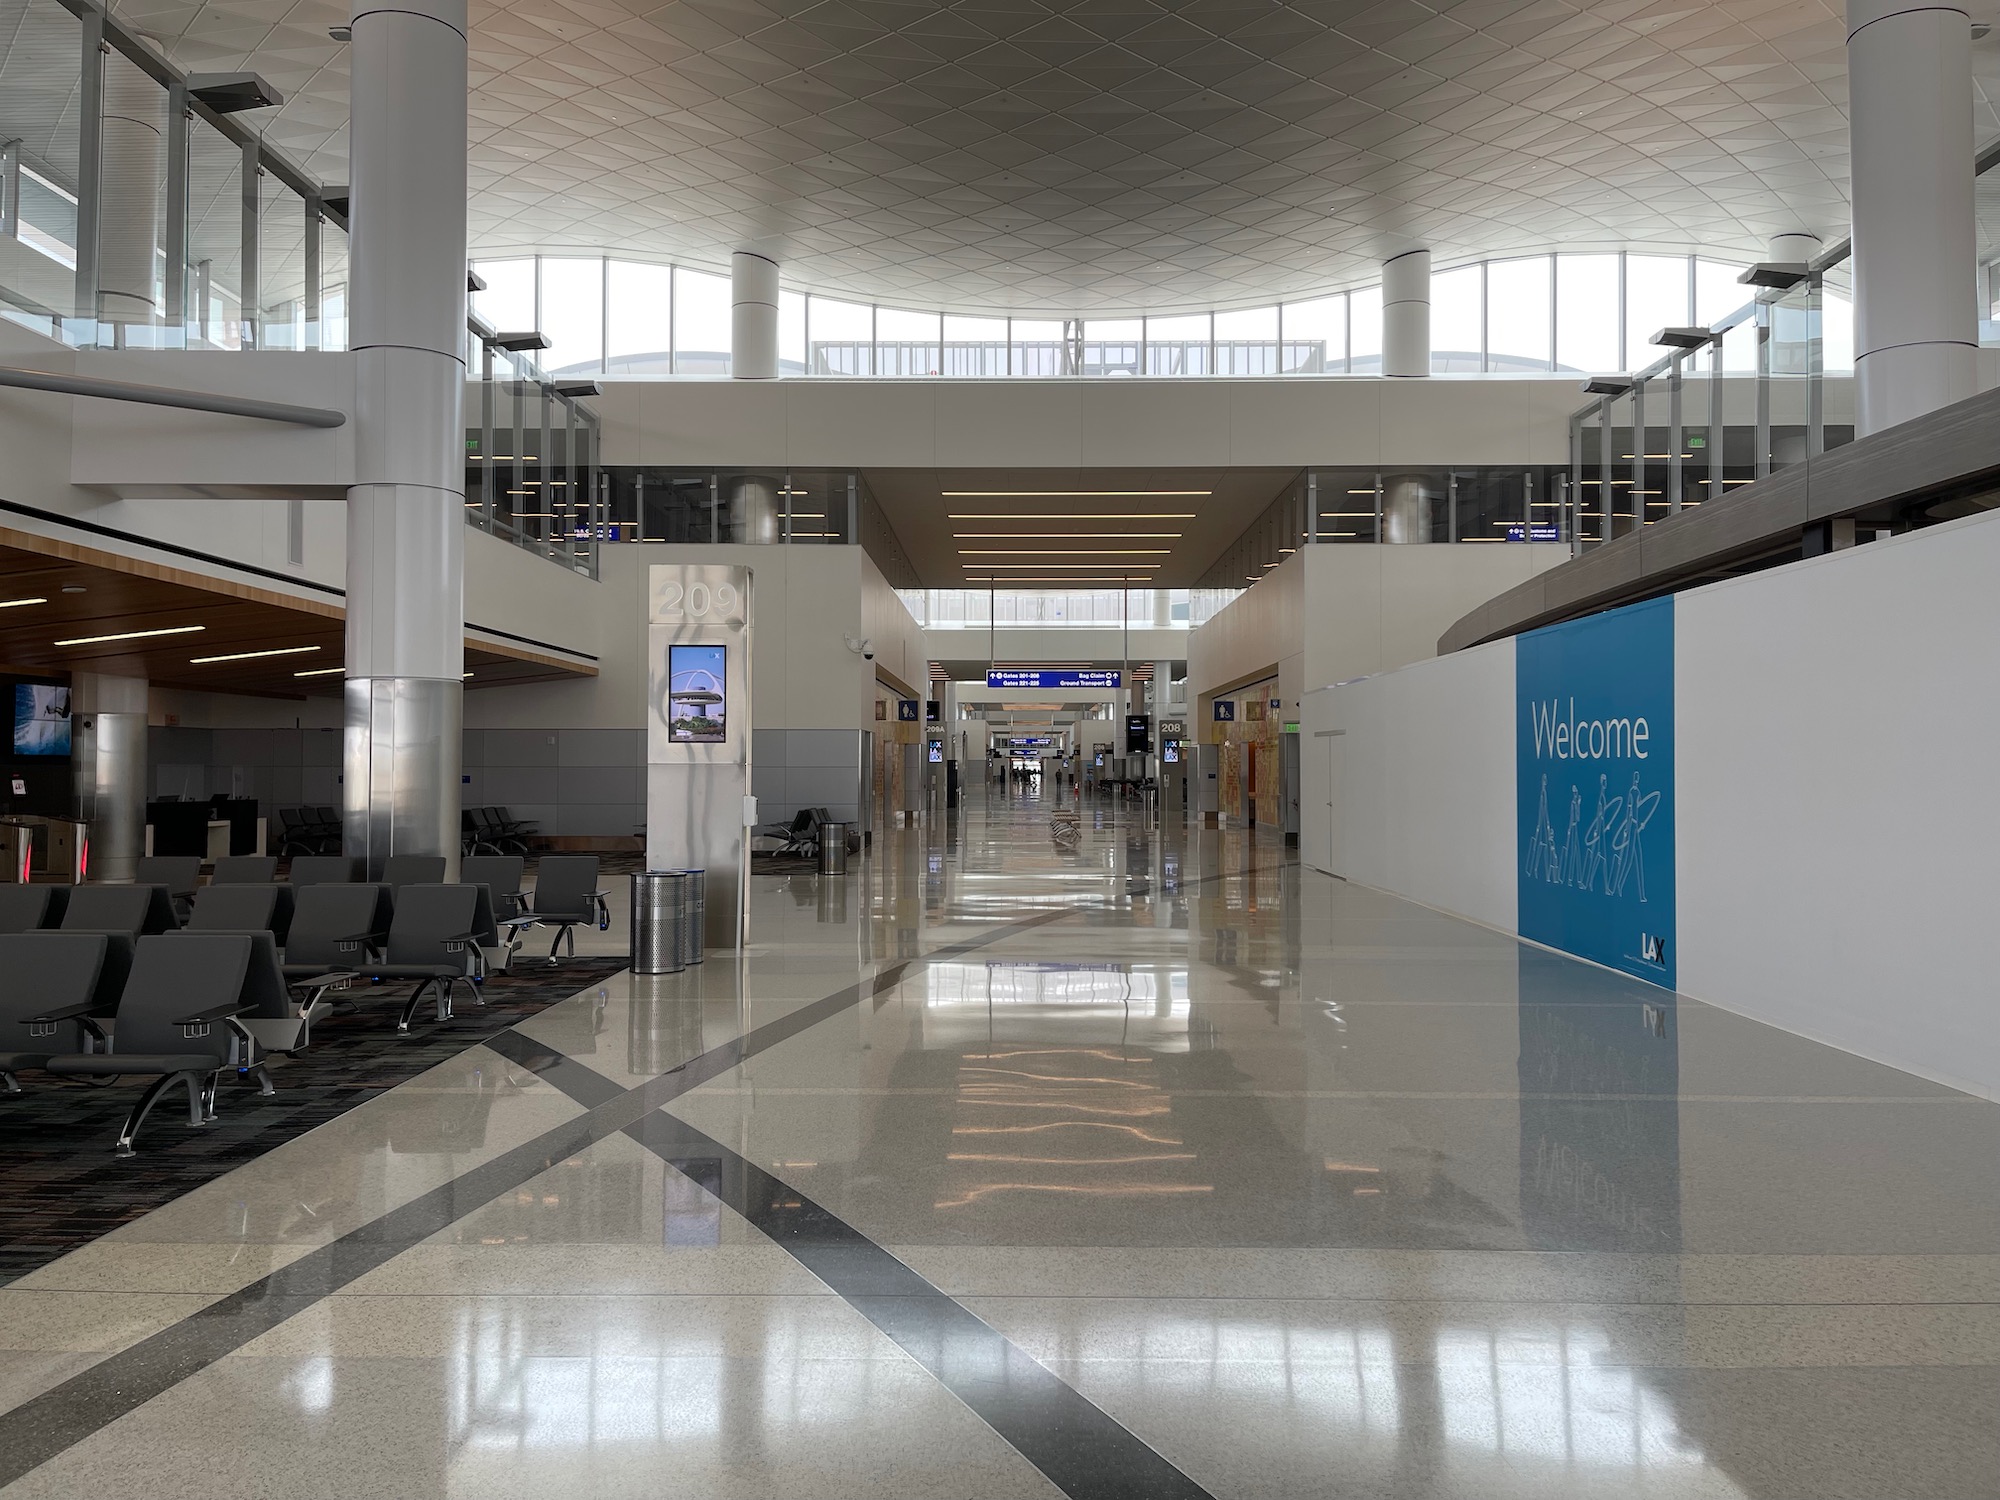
[1160, 1166]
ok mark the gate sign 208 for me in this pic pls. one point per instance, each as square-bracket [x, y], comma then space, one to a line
[1594, 788]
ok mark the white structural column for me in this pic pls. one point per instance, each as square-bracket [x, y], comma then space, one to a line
[133, 153]
[1909, 85]
[110, 769]
[753, 316]
[1794, 248]
[1406, 314]
[405, 513]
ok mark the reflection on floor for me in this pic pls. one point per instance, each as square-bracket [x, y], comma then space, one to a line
[1159, 1167]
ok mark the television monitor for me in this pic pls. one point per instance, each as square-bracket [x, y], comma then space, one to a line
[937, 752]
[697, 695]
[1171, 753]
[41, 719]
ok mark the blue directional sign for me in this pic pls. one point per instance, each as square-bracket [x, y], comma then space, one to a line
[1055, 678]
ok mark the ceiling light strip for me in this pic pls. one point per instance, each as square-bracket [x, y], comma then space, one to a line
[203, 661]
[1072, 494]
[130, 635]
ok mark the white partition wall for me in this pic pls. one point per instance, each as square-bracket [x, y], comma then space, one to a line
[1831, 791]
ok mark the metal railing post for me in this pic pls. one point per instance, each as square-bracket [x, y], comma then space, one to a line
[1763, 438]
[251, 299]
[89, 163]
[177, 213]
[1674, 435]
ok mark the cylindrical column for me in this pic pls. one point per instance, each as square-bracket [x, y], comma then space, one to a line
[134, 167]
[405, 525]
[1794, 248]
[753, 316]
[1406, 508]
[1909, 89]
[109, 761]
[754, 509]
[1406, 314]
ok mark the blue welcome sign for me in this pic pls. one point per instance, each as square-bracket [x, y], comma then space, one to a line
[1594, 788]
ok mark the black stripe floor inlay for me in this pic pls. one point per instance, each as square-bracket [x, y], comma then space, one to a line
[43, 1426]
[1082, 1449]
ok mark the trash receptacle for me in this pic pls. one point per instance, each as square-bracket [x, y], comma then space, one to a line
[694, 913]
[833, 848]
[659, 921]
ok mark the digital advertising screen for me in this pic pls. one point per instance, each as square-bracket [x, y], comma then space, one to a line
[937, 752]
[697, 698]
[41, 719]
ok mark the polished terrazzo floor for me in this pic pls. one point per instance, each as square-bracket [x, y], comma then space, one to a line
[1161, 1168]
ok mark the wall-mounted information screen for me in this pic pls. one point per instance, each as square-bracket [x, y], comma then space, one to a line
[697, 694]
[41, 719]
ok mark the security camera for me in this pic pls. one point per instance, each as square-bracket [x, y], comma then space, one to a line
[867, 654]
[863, 648]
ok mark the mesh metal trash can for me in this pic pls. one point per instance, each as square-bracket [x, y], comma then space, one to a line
[833, 848]
[659, 921]
[694, 912]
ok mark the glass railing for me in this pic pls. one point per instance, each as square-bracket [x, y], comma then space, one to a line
[1493, 504]
[1726, 404]
[134, 215]
[533, 475]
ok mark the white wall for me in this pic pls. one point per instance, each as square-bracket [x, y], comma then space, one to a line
[1834, 795]
[1337, 611]
[1839, 864]
[1151, 424]
[1412, 790]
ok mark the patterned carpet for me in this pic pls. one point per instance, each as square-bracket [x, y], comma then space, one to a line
[63, 1187]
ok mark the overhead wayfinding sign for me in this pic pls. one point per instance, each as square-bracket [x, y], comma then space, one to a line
[1056, 677]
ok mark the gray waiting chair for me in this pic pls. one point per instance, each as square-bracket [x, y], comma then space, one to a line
[243, 908]
[501, 875]
[244, 869]
[412, 869]
[137, 910]
[29, 908]
[177, 1022]
[566, 897]
[433, 939]
[179, 873]
[278, 1011]
[42, 972]
[335, 927]
[324, 869]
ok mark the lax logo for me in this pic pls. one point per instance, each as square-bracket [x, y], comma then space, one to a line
[1653, 949]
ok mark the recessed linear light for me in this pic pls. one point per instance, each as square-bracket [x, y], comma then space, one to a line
[1065, 515]
[130, 635]
[17, 603]
[1070, 494]
[202, 661]
[320, 672]
[1060, 536]
[1064, 551]
[1097, 567]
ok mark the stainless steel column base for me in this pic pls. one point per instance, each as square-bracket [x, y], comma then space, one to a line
[400, 786]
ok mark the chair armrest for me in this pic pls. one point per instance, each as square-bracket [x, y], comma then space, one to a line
[458, 941]
[76, 1012]
[516, 922]
[203, 1021]
[319, 984]
[355, 941]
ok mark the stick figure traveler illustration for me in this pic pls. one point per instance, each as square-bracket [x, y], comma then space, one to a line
[1542, 847]
[1628, 849]
[1593, 841]
[1571, 872]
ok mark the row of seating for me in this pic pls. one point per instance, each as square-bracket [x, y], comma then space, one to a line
[304, 944]
[482, 830]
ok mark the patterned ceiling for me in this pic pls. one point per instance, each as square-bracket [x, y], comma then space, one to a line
[1058, 156]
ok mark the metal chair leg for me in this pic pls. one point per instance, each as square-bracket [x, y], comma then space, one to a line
[258, 1071]
[9, 1084]
[410, 1008]
[130, 1129]
[208, 1089]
